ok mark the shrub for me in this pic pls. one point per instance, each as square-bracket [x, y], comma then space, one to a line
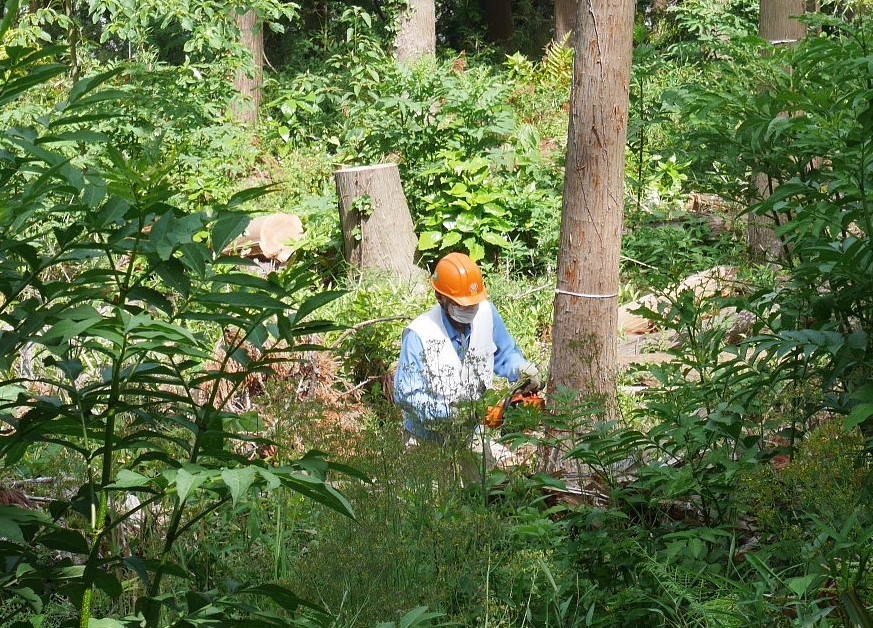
[114, 299]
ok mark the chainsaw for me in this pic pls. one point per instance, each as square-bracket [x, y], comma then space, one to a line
[516, 398]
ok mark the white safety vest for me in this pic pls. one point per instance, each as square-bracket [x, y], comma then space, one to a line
[450, 378]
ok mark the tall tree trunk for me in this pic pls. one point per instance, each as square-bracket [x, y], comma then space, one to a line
[586, 305]
[565, 20]
[498, 18]
[249, 84]
[416, 36]
[777, 21]
[777, 24]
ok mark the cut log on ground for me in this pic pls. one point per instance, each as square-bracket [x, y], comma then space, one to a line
[269, 237]
[705, 284]
[378, 233]
[643, 343]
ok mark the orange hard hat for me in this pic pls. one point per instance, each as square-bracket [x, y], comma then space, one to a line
[457, 277]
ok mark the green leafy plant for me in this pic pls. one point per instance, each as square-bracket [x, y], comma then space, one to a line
[700, 28]
[122, 297]
[465, 210]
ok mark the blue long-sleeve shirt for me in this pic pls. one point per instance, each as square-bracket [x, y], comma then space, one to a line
[411, 391]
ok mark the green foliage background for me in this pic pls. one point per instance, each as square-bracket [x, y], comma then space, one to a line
[172, 394]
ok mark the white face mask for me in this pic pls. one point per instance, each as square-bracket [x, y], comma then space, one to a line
[462, 314]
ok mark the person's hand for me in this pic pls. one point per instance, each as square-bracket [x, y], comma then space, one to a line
[529, 373]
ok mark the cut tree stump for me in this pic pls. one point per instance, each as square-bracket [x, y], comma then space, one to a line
[378, 233]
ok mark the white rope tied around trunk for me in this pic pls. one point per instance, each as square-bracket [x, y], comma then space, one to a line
[583, 295]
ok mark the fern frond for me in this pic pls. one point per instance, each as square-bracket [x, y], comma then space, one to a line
[556, 66]
[692, 592]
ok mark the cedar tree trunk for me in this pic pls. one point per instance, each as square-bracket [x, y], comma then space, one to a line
[565, 18]
[586, 304]
[248, 84]
[416, 36]
[777, 24]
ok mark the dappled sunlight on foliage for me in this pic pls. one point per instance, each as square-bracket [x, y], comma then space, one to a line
[191, 439]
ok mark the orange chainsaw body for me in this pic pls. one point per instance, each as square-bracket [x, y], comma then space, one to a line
[495, 414]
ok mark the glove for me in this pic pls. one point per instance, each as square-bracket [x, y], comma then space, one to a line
[529, 372]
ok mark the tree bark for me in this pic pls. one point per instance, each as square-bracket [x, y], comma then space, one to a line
[416, 36]
[777, 24]
[378, 233]
[565, 21]
[248, 84]
[586, 305]
[777, 21]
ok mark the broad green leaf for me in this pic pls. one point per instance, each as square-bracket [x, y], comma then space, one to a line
[13, 517]
[196, 257]
[493, 209]
[241, 299]
[349, 471]
[272, 479]
[106, 582]
[73, 572]
[151, 297]
[317, 490]
[226, 229]
[186, 482]
[496, 239]
[802, 584]
[475, 249]
[860, 414]
[314, 462]
[315, 302]
[458, 189]
[238, 481]
[103, 95]
[11, 8]
[282, 596]
[65, 540]
[10, 392]
[172, 272]
[482, 198]
[94, 193]
[429, 240]
[417, 617]
[104, 623]
[467, 222]
[29, 597]
[80, 135]
[85, 85]
[11, 90]
[58, 163]
[144, 566]
[256, 283]
[250, 194]
[170, 232]
[451, 239]
[129, 479]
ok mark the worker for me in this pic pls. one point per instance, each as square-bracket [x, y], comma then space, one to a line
[450, 354]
